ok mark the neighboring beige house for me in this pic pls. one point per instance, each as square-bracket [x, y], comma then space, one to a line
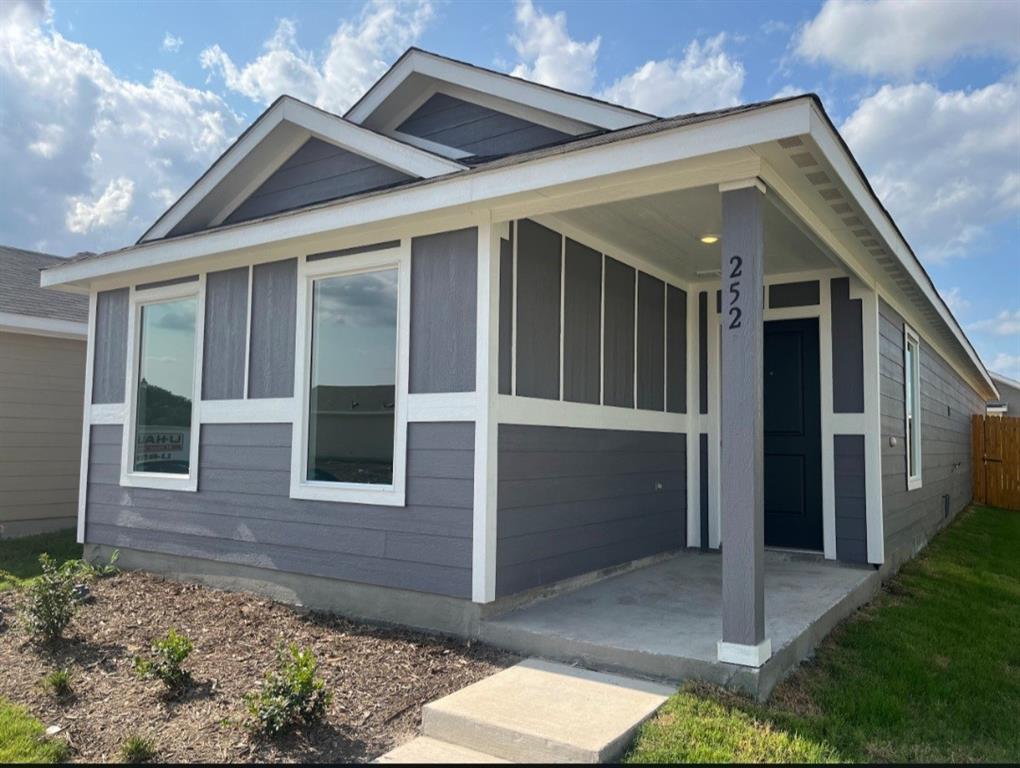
[1008, 403]
[42, 378]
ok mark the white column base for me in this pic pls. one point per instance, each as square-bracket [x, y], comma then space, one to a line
[745, 655]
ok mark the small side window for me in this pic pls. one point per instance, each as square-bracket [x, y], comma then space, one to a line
[912, 405]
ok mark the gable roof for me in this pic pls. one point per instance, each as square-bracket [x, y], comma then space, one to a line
[266, 144]
[23, 302]
[586, 110]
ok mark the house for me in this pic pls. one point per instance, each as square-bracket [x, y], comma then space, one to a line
[42, 373]
[480, 340]
[1008, 403]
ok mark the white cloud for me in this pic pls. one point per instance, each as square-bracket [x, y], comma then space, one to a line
[172, 44]
[109, 208]
[85, 148]
[1005, 323]
[955, 301]
[705, 78]
[1007, 365]
[357, 55]
[898, 37]
[943, 162]
[548, 54]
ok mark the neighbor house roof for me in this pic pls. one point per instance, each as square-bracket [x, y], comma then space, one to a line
[20, 293]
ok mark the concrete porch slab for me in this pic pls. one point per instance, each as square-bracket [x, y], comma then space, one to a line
[664, 621]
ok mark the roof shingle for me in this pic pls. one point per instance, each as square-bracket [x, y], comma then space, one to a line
[21, 294]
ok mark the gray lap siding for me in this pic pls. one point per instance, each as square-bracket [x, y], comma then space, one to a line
[947, 403]
[242, 512]
[571, 501]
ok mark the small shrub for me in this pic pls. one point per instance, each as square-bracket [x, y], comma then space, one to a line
[58, 682]
[169, 653]
[83, 570]
[137, 749]
[51, 603]
[290, 694]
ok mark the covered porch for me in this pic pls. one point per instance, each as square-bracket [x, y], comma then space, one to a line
[663, 620]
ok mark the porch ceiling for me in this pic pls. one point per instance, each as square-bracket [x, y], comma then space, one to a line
[666, 229]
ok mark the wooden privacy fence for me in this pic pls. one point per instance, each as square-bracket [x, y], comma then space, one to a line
[996, 442]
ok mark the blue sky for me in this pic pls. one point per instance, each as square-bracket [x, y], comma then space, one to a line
[110, 110]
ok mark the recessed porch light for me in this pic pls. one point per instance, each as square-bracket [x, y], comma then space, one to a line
[709, 239]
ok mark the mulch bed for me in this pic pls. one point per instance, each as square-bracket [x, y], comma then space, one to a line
[379, 677]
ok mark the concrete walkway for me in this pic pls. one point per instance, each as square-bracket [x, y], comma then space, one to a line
[534, 712]
[663, 621]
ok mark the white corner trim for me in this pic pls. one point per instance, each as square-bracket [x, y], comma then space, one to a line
[483, 528]
[745, 655]
[11, 322]
[442, 406]
[828, 419]
[269, 410]
[86, 427]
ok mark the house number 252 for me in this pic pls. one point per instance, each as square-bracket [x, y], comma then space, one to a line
[736, 262]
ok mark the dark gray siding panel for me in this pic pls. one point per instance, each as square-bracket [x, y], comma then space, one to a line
[226, 312]
[582, 321]
[476, 129]
[851, 519]
[618, 342]
[506, 314]
[273, 318]
[444, 295]
[651, 343]
[847, 349]
[947, 404]
[318, 171]
[572, 501]
[676, 350]
[111, 346]
[703, 488]
[538, 311]
[242, 512]
[803, 294]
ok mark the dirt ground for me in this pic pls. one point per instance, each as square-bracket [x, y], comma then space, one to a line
[379, 677]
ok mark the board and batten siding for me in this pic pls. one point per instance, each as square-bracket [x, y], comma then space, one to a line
[42, 383]
[110, 355]
[947, 403]
[242, 512]
[571, 501]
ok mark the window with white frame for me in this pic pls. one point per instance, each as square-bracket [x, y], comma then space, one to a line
[160, 447]
[912, 405]
[350, 435]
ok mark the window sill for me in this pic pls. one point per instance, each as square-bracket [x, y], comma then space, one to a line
[383, 496]
[159, 482]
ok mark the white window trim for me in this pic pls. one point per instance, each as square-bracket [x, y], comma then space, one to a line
[138, 299]
[912, 377]
[383, 495]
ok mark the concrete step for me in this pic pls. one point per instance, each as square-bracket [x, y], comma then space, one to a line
[428, 750]
[539, 711]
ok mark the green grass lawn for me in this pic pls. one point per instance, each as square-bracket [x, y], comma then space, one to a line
[19, 558]
[22, 738]
[930, 671]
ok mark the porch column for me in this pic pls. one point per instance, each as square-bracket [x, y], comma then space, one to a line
[742, 501]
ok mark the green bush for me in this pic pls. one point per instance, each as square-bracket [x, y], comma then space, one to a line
[51, 603]
[58, 682]
[169, 653]
[137, 749]
[290, 694]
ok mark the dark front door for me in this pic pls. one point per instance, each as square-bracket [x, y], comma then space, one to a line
[793, 435]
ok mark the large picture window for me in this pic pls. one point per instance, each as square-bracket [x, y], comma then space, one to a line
[160, 448]
[352, 387]
[350, 428]
[912, 406]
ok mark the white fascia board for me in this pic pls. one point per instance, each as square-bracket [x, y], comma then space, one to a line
[504, 86]
[840, 160]
[466, 191]
[330, 128]
[11, 322]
